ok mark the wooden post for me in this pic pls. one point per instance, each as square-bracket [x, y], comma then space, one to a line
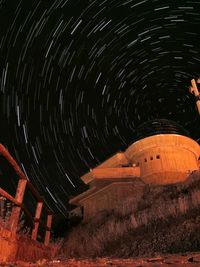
[19, 196]
[2, 206]
[195, 91]
[36, 220]
[48, 230]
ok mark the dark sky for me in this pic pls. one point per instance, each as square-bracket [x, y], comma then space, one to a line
[77, 77]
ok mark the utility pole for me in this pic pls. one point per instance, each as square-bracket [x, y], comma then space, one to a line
[194, 90]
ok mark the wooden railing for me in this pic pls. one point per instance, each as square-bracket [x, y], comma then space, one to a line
[18, 205]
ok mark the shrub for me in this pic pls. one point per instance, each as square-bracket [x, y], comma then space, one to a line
[164, 219]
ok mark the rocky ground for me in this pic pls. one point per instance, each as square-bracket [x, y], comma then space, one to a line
[174, 260]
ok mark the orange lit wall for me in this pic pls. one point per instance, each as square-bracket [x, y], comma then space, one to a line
[163, 159]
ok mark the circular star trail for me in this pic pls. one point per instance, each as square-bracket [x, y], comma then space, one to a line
[77, 77]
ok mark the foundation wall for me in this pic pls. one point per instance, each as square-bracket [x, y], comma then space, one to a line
[17, 247]
[110, 197]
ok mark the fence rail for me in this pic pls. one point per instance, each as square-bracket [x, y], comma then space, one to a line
[18, 205]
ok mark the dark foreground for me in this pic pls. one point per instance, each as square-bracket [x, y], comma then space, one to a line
[186, 259]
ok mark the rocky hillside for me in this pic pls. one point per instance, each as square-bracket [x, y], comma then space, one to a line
[166, 219]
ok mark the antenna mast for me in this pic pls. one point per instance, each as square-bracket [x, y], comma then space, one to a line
[194, 90]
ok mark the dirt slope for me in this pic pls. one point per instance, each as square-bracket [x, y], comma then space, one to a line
[166, 219]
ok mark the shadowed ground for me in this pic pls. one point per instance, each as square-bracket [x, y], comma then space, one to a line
[175, 260]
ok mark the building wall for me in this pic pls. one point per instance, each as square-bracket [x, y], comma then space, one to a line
[165, 158]
[117, 160]
[110, 197]
[161, 159]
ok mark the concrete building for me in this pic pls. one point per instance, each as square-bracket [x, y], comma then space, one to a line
[162, 153]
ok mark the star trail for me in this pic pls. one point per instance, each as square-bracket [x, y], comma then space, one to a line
[78, 76]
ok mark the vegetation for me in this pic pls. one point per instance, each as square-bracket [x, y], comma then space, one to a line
[165, 219]
[5, 213]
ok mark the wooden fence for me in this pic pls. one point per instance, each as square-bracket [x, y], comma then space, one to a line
[18, 205]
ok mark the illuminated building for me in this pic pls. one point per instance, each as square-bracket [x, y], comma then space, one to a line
[162, 153]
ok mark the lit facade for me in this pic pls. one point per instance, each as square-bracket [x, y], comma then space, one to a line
[163, 153]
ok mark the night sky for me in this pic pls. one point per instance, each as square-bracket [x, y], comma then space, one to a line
[77, 77]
